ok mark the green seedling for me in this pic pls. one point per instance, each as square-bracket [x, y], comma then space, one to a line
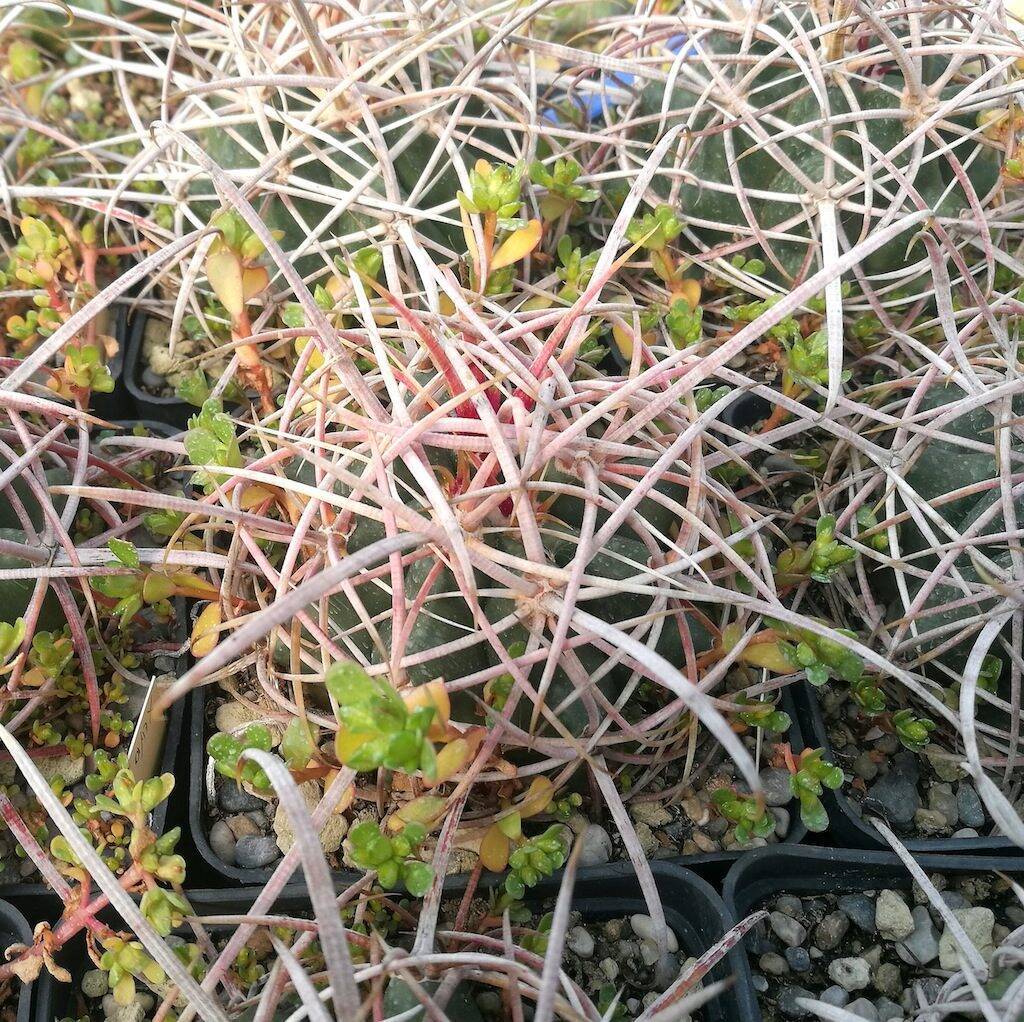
[867, 521]
[391, 857]
[683, 323]
[535, 858]
[377, 729]
[563, 193]
[747, 812]
[226, 750]
[819, 657]
[913, 731]
[126, 961]
[494, 191]
[818, 560]
[211, 440]
[868, 696]
[812, 775]
[763, 714]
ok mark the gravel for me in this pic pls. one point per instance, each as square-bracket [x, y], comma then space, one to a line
[892, 916]
[597, 847]
[787, 929]
[222, 841]
[850, 973]
[254, 851]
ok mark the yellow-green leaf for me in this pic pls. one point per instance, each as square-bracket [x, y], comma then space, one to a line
[224, 272]
[517, 245]
[494, 850]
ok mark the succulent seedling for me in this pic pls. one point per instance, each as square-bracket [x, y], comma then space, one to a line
[747, 812]
[535, 858]
[391, 857]
[810, 776]
[226, 752]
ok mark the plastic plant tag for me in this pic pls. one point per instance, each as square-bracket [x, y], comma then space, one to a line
[148, 737]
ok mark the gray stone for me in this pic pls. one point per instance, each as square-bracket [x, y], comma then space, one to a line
[865, 767]
[969, 806]
[977, 923]
[888, 1011]
[580, 942]
[955, 901]
[922, 946]
[831, 930]
[860, 909]
[790, 904]
[610, 968]
[835, 995]
[94, 983]
[863, 1008]
[942, 800]
[892, 917]
[666, 971]
[222, 841]
[930, 821]
[759, 982]
[799, 959]
[944, 765]
[773, 964]
[781, 817]
[597, 846]
[233, 798]
[888, 979]
[850, 973]
[256, 851]
[787, 929]
[777, 790]
[896, 797]
[643, 927]
[787, 999]
[965, 832]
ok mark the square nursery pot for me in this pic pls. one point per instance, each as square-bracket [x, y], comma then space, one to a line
[161, 408]
[846, 825]
[14, 929]
[712, 865]
[693, 910]
[768, 872]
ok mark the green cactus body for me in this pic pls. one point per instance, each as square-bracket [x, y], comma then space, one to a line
[708, 193]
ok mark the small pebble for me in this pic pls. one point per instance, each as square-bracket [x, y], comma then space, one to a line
[831, 930]
[643, 926]
[836, 996]
[888, 979]
[94, 983]
[888, 1011]
[222, 841]
[610, 968]
[789, 904]
[863, 1008]
[892, 916]
[777, 790]
[597, 847]
[969, 806]
[865, 767]
[256, 851]
[799, 959]
[580, 942]
[787, 999]
[787, 929]
[232, 798]
[860, 909]
[850, 973]
[922, 946]
[781, 821]
[773, 964]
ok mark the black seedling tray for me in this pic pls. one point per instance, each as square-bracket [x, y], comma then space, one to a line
[14, 929]
[215, 871]
[170, 410]
[845, 823]
[768, 872]
[693, 910]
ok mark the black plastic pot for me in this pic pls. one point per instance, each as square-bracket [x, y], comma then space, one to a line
[768, 872]
[712, 865]
[746, 411]
[846, 825]
[693, 911]
[14, 929]
[170, 410]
